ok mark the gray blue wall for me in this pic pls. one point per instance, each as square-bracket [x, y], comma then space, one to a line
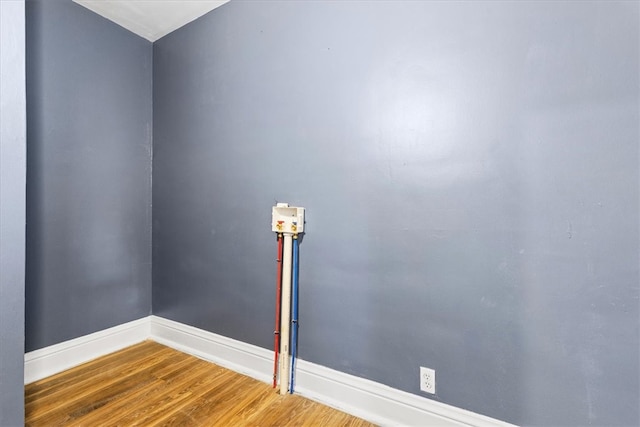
[13, 164]
[470, 173]
[89, 92]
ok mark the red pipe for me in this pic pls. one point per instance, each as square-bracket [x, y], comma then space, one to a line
[276, 333]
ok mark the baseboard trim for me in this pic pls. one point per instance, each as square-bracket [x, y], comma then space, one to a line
[363, 398]
[238, 356]
[39, 364]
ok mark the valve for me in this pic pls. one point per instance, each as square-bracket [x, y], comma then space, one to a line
[287, 219]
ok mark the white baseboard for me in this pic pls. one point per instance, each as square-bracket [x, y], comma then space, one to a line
[50, 360]
[247, 359]
[363, 398]
[366, 399]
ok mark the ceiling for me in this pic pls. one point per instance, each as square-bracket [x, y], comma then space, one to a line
[151, 19]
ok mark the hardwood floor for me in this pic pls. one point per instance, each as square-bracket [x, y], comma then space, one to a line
[149, 384]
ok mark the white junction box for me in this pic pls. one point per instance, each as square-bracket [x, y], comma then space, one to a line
[287, 219]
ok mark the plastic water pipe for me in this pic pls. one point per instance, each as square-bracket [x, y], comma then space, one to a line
[286, 221]
[294, 316]
[285, 317]
[276, 332]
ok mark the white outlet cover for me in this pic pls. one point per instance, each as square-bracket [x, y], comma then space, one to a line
[427, 380]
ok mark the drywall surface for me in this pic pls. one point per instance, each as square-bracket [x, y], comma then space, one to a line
[89, 91]
[13, 163]
[470, 174]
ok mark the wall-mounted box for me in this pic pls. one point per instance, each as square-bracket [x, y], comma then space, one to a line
[287, 219]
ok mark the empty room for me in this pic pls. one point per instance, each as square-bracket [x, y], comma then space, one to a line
[319, 212]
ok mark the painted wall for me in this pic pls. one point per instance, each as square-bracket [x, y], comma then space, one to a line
[13, 153]
[89, 92]
[470, 173]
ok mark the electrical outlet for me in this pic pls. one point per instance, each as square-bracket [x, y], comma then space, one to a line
[427, 380]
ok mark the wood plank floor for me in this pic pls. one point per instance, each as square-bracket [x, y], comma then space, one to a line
[149, 384]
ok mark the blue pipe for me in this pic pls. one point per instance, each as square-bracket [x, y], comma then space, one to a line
[294, 314]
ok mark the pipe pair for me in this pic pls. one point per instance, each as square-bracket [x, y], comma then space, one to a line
[286, 311]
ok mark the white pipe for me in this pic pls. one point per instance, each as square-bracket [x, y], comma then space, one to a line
[285, 314]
